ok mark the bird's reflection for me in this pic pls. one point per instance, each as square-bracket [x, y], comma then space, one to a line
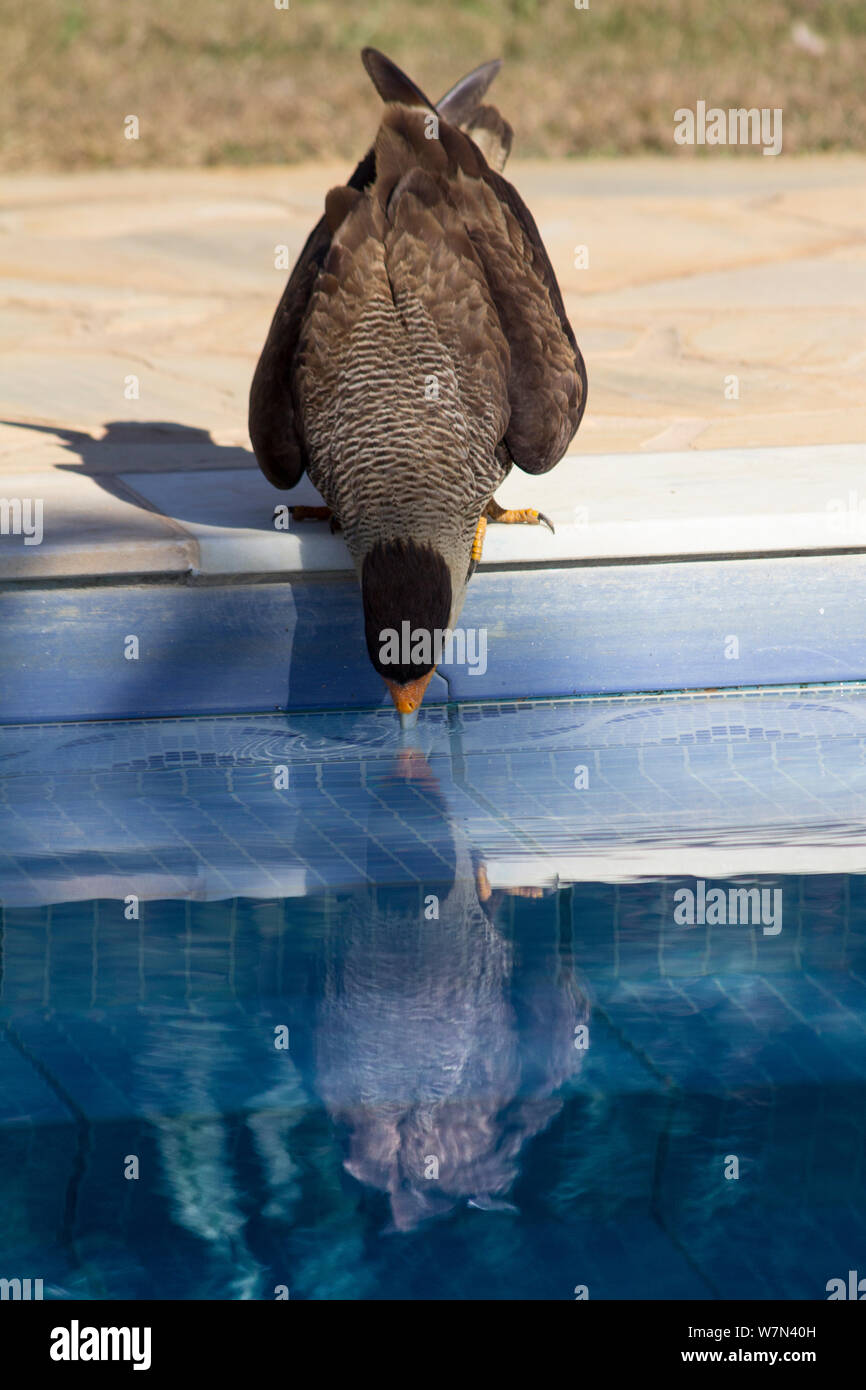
[433, 1021]
[440, 1043]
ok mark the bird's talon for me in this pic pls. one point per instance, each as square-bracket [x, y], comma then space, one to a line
[478, 543]
[526, 516]
[316, 514]
[482, 883]
[310, 513]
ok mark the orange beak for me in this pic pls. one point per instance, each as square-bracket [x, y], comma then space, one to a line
[407, 698]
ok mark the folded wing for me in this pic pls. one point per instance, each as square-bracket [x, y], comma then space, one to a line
[275, 429]
[546, 383]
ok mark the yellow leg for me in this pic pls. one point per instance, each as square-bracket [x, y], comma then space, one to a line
[478, 543]
[482, 884]
[315, 514]
[527, 516]
[311, 513]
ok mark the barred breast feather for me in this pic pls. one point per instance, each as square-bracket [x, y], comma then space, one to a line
[421, 346]
[402, 365]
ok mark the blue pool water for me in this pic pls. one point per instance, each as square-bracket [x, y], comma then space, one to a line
[511, 1068]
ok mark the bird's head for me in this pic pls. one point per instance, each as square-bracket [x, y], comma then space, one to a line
[409, 592]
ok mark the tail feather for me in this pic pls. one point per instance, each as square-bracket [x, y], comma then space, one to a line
[339, 202]
[391, 82]
[459, 106]
[492, 134]
[464, 98]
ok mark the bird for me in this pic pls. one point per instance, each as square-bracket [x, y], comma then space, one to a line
[441, 1047]
[420, 349]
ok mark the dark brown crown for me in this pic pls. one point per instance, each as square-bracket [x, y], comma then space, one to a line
[402, 581]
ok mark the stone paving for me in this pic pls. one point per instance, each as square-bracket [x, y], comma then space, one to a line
[697, 272]
[722, 308]
[747, 268]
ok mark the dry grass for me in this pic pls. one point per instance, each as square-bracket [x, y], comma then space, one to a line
[238, 81]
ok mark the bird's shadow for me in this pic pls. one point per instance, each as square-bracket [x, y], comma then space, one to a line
[130, 449]
[157, 447]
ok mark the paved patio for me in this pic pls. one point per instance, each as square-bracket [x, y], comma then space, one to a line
[697, 271]
[716, 486]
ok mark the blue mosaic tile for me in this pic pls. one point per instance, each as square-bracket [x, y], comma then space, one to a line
[581, 1063]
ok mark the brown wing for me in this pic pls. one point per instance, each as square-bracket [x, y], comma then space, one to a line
[402, 300]
[433, 265]
[547, 386]
[274, 426]
[547, 377]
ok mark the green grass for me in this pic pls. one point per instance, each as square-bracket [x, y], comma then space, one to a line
[238, 81]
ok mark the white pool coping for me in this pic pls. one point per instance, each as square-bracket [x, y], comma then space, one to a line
[628, 864]
[605, 507]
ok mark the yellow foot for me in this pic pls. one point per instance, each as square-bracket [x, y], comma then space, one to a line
[315, 514]
[477, 545]
[527, 516]
[486, 894]
[482, 884]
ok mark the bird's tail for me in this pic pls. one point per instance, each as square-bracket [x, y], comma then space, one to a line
[492, 134]
[461, 106]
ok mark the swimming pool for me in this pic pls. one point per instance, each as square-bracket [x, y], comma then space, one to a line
[296, 1002]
